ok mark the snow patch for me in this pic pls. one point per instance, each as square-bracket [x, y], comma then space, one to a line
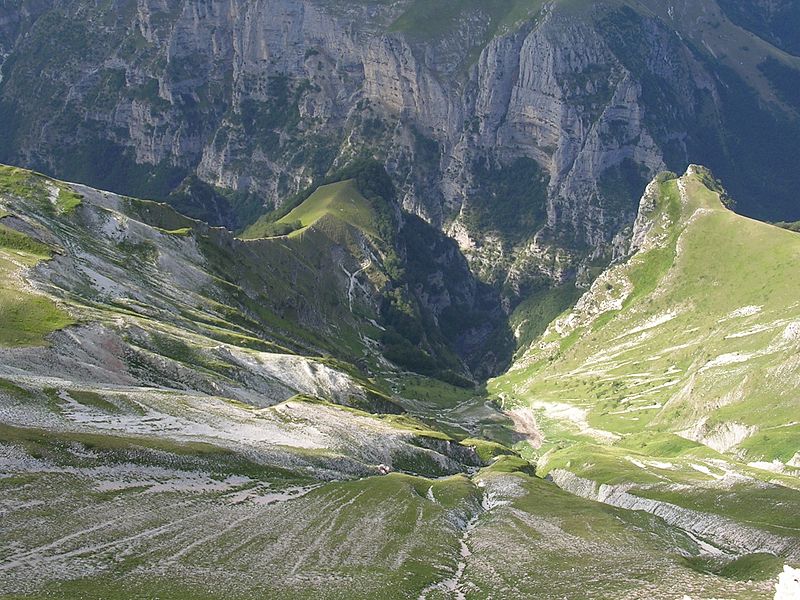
[651, 323]
[706, 471]
[775, 466]
[661, 465]
[792, 332]
[748, 332]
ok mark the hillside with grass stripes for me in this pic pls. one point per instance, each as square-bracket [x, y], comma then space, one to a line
[677, 375]
[185, 414]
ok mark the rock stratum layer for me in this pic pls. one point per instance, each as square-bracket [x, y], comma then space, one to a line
[525, 129]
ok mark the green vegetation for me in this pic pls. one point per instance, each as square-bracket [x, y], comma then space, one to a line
[13, 390]
[784, 79]
[341, 200]
[144, 252]
[360, 194]
[487, 451]
[690, 344]
[433, 392]
[376, 535]
[49, 195]
[531, 317]
[263, 119]
[180, 350]
[183, 231]
[277, 229]
[69, 449]
[750, 567]
[757, 567]
[94, 400]
[159, 215]
[402, 422]
[701, 337]
[362, 201]
[794, 226]
[745, 503]
[68, 200]
[510, 199]
[11, 239]
[778, 24]
[25, 317]
[215, 206]
[622, 185]
[775, 443]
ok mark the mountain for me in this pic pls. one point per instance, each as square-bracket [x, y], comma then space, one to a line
[524, 129]
[672, 386]
[347, 274]
[362, 299]
[174, 423]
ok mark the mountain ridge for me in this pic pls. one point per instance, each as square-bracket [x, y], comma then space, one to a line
[574, 106]
[670, 386]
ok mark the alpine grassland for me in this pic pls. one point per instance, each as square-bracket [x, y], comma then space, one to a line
[190, 414]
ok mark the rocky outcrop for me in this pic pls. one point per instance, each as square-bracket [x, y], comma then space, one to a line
[721, 531]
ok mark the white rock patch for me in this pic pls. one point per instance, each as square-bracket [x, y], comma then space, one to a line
[788, 586]
[745, 311]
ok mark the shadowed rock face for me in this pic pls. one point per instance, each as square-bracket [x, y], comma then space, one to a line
[260, 99]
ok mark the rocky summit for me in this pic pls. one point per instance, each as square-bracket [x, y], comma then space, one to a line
[425, 299]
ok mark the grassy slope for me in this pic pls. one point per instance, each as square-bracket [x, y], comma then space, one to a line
[26, 317]
[704, 330]
[341, 200]
[161, 500]
[334, 215]
[714, 303]
[228, 296]
[389, 537]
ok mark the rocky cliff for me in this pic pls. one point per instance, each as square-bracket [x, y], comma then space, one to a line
[526, 130]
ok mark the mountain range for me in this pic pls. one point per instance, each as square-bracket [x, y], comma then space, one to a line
[402, 299]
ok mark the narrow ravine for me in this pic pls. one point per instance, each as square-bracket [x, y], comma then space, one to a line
[354, 281]
[455, 585]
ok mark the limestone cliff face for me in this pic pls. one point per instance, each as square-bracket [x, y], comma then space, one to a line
[262, 98]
